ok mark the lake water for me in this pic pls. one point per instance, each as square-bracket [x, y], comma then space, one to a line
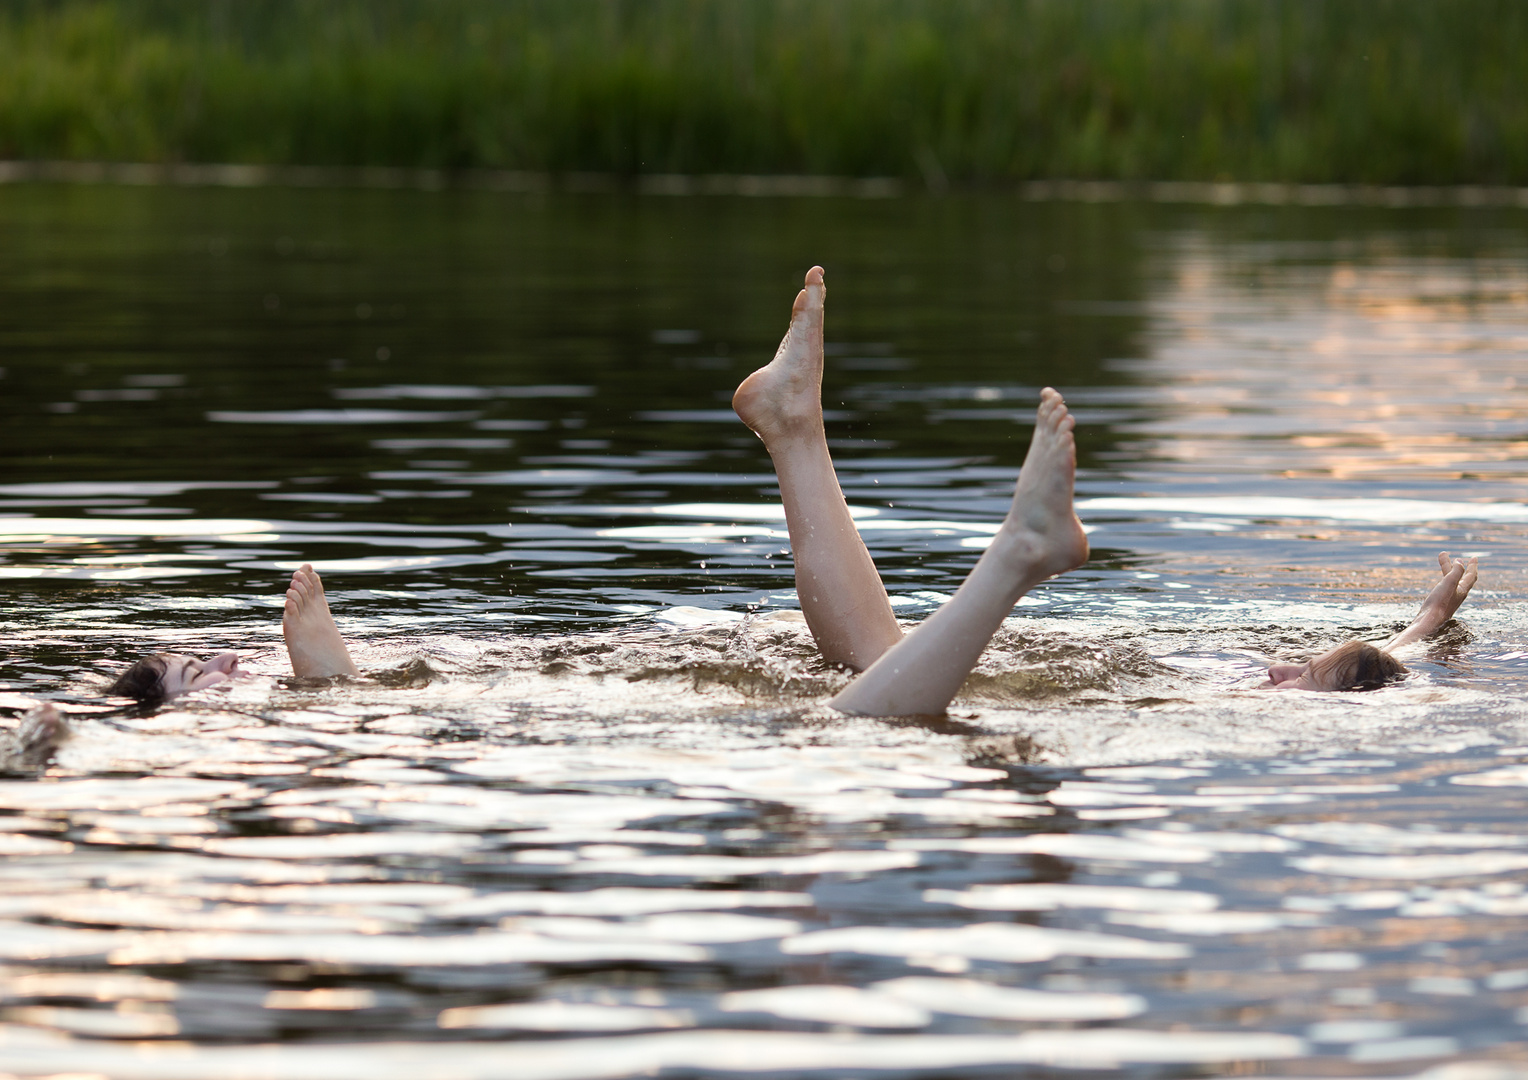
[585, 816]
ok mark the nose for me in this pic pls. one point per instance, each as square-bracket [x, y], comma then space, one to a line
[225, 662]
[1278, 673]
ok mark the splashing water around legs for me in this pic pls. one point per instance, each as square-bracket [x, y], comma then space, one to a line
[841, 593]
[1040, 537]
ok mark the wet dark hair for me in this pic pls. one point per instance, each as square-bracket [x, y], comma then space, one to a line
[143, 682]
[1357, 666]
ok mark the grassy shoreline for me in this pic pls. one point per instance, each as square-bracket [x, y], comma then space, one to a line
[934, 92]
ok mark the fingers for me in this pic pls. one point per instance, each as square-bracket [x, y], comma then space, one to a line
[1467, 582]
[1456, 570]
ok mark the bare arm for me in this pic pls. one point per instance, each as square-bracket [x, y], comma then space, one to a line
[1440, 604]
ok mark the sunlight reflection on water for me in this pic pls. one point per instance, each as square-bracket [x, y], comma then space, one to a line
[585, 815]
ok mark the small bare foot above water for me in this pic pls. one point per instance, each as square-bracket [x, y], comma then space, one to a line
[784, 397]
[313, 641]
[1042, 524]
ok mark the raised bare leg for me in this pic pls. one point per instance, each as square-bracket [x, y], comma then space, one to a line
[313, 641]
[1040, 537]
[841, 593]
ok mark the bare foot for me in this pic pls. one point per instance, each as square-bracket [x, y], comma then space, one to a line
[313, 641]
[784, 397]
[1042, 531]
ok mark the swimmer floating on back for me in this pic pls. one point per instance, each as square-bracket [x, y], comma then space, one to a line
[313, 642]
[841, 593]
[1357, 665]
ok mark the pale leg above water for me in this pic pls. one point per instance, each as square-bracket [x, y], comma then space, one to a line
[841, 593]
[1040, 537]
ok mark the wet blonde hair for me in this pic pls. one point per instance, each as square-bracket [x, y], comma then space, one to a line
[1356, 666]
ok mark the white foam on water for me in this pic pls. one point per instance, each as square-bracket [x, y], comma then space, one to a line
[744, 1052]
[846, 1005]
[1412, 867]
[969, 997]
[564, 1016]
[619, 901]
[1376, 511]
[1051, 896]
[1008, 942]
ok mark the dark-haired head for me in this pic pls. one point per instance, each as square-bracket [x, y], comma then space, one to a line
[143, 682]
[164, 675]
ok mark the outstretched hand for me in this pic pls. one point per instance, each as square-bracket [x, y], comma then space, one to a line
[1449, 593]
[1440, 604]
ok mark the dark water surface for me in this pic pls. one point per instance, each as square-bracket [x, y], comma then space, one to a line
[585, 816]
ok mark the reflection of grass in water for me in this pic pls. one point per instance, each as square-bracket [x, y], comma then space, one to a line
[1381, 90]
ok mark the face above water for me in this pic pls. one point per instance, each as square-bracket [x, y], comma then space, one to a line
[1291, 677]
[1314, 674]
[183, 674]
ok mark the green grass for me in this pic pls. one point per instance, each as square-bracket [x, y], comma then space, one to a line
[983, 91]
